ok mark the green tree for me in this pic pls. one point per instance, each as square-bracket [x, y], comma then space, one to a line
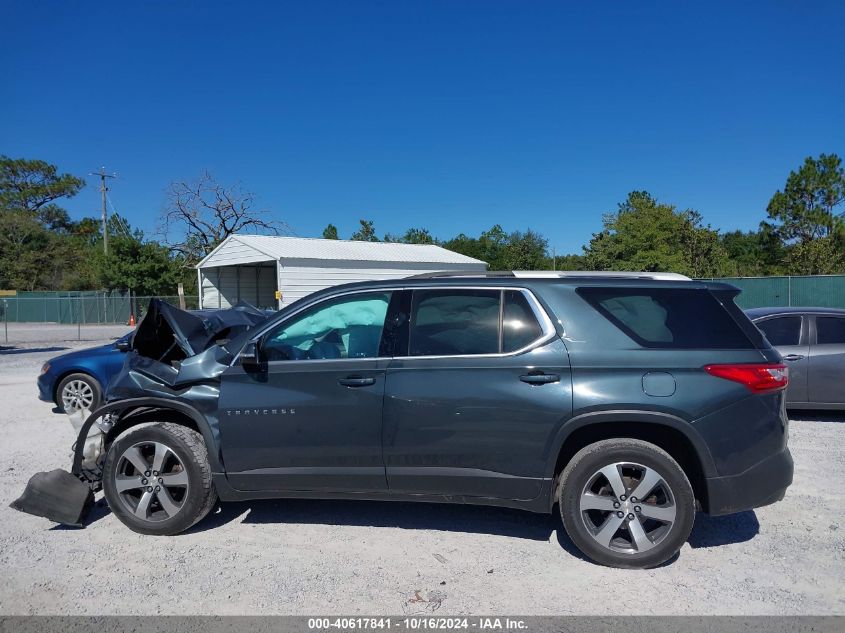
[412, 236]
[25, 251]
[33, 186]
[147, 267]
[330, 232]
[35, 252]
[807, 217]
[525, 251]
[644, 235]
[808, 207]
[366, 233]
[570, 262]
[504, 251]
[821, 256]
[754, 253]
[465, 245]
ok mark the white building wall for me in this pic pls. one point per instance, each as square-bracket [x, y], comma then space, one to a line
[232, 252]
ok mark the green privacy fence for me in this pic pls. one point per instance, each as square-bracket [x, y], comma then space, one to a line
[80, 307]
[824, 291]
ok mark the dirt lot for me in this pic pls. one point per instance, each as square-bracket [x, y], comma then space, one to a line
[311, 557]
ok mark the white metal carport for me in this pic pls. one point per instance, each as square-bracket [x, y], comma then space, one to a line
[253, 267]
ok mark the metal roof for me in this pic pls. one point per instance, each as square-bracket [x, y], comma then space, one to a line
[279, 247]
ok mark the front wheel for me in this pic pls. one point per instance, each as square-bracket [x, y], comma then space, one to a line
[626, 503]
[157, 479]
[78, 392]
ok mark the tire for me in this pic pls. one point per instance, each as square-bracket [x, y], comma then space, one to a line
[185, 492]
[651, 530]
[78, 391]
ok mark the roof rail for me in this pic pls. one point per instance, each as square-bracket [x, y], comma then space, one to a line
[464, 273]
[552, 274]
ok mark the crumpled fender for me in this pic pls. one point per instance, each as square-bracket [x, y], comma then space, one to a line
[206, 425]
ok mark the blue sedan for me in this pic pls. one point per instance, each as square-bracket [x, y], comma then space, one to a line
[78, 379]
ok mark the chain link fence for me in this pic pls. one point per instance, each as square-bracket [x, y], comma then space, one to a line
[83, 308]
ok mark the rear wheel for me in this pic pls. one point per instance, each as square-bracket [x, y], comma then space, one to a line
[626, 503]
[157, 479]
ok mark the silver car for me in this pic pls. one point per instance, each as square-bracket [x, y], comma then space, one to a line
[812, 342]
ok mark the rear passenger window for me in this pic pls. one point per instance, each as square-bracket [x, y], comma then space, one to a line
[454, 322]
[830, 330]
[673, 318]
[519, 325]
[781, 330]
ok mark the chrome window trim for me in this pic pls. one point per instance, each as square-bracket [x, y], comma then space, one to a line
[546, 325]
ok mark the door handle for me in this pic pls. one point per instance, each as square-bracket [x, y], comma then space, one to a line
[793, 357]
[539, 379]
[356, 381]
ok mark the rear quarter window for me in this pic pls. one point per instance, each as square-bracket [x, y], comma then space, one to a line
[669, 318]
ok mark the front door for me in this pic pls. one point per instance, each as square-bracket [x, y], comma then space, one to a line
[470, 409]
[308, 416]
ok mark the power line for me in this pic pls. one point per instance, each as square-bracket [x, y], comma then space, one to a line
[103, 189]
[122, 224]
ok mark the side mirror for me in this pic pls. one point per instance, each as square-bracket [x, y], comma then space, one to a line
[249, 354]
[123, 346]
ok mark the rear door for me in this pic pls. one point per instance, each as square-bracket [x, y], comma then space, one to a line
[826, 379]
[789, 334]
[470, 404]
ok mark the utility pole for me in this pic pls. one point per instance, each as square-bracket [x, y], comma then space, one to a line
[103, 189]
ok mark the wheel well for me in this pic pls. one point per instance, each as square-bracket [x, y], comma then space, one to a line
[145, 415]
[669, 439]
[64, 375]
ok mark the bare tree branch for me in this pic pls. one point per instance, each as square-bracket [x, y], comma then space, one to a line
[200, 214]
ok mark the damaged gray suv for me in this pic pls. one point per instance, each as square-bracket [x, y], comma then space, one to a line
[627, 401]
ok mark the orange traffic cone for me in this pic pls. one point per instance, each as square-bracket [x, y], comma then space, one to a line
[132, 319]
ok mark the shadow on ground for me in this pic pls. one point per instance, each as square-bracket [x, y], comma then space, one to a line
[28, 350]
[714, 531]
[396, 514]
[707, 531]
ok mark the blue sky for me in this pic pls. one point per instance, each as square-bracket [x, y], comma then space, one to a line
[448, 115]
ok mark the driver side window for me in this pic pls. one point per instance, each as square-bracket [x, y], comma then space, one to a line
[344, 327]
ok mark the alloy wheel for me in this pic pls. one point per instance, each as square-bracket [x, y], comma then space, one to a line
[627, 507]
[151, 481]
[77, 395]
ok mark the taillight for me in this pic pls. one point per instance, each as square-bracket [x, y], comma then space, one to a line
[758, 378]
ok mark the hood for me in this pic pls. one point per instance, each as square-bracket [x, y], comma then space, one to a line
[173, 348]
[86, 353]
[167, 334]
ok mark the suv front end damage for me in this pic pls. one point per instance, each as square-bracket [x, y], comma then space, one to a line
[174, 363]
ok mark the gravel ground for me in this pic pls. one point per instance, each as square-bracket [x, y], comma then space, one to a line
[307, 557]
